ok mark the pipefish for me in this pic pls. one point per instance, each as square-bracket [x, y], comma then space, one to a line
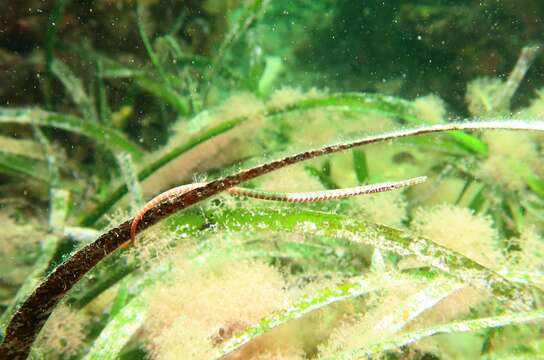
[294, 197]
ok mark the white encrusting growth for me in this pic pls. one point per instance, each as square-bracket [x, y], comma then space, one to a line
[391, 343]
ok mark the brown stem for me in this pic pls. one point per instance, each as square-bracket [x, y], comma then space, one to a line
[27, 322]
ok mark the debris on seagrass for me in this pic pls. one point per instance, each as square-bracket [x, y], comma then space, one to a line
[29, 319]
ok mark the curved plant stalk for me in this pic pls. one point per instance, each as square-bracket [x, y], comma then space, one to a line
[203, 192]
[140, 15]
[55, 18]
[29, 319]
[454, 327]
[23, 166]
[416, 304]
[360, 166]
[119, 330]
[420, 302]
[356, 102]
[103, 135]
[124, 325]
[104, 112]
[51, 34]
[244, 220]
[125, 321]
[48, 250]
[525, 60]
[410, 308]
[528, 351]
[535, 278]
[165, 93]
[250, 13]
[164, 90]
[54, 175]
[58, 212]
[74, 88]
[115, 70]
[382, 237]
[90, 218]
[128, 170]
[25, 147]
[320, 250]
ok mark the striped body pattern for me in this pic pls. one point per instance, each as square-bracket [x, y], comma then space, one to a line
[297, 197]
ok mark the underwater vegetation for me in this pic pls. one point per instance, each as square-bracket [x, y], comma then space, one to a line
[255, 179]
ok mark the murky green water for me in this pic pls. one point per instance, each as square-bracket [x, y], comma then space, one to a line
[327, 179]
